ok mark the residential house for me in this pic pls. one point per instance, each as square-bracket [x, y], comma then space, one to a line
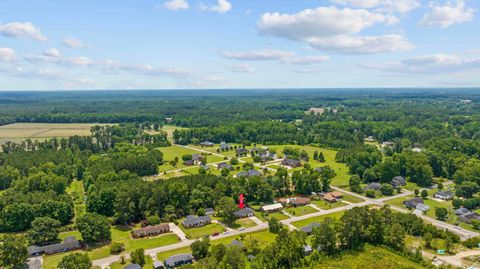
[398, 181]
[272, 207]
[299, 201]
[292, 163]
[468, 217]
[332, 197]
[387, 144]
[369, 139]
[151, 230]
[422, 207]
[158, 265]
[249, 173]
[237, 243]
[225, 146]
[309, 228]
[70, 243]
[178, 260]
[206, 144]
[444, 195]
[196, 221]
[462, 211]
[204, 166]
[319, 169]
[374, 186]
[209, 211]
[242, 151]
[133, 266]
[307, 250]
[197, 158]
[412, 203]
[244, 212]
[189, 162]
[221, 166]
[169, 120]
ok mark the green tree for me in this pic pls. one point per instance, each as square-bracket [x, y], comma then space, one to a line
[441, 213]
[138, 256]
[321, 158]
[44, 229]
[325, 237]
[424, 194]
[13, 252]
[94, 228]
[387, 189]
[8, 174]
[226, 207]
[457, 203]
[75, 261]
[274, 226]
[116, 248]
[200, 248]
[416, 192]
[395, 236]
[427, 237]
[326, 177]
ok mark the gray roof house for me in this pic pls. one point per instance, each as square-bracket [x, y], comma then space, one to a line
[178, 260]
[151, 230]
[225, 146]
[196, 221]
[309, 228]
[221, 166]
[462, 211]
[291, 162]
[374, 186]
[249, 173]
[242, 151]
[412, 203]
[244, 212]
[133, 266]
[307, 250]
[197, 157]
[205, 167]
[237, 243]
[68, 244]
[158, 265]
[444, 195]
[209, 211]
[422, 207]
[207, 144]
[468, 217]
[398, 181]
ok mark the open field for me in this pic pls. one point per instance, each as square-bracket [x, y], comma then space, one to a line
[169, 129]
[305, 222]
[169, 154]
[301, 210]
[326, 205]
[245, 222]
[199, 232]
[21, 131]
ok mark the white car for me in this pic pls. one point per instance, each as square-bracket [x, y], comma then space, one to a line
[241, 228]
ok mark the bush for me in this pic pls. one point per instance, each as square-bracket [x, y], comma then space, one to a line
[457, 203]
[153, 220]
[370, 193]
[116, 248]
[472, 242]
[424, 194]
[387, 189]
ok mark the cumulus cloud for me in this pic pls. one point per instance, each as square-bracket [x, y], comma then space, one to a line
[436, 63]
[77, 61]
[52, 52]
[222, 6]
[22, 30]
[176, 4]
[400, 6]
[447, 15]
[241, 68]
[334, 29]
[53, 56]
[7, 55]
[258, 55]
[73, 43]
[306, 60]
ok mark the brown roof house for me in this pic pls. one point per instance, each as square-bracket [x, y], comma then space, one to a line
[151, 230]
[298, 201]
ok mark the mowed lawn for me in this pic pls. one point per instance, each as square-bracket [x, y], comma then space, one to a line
[119, 234]
[148, 263]
[245, 222]
[301, 210]
[199, 232]
[326, 205]
[169, 154]
[305, 222]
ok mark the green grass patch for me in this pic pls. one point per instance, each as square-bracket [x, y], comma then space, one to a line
[352, 199]
[301, 210]
[199, 232]
[245, 222]
[148, 263]
[326, 205]
[305, 222]
[77, 192]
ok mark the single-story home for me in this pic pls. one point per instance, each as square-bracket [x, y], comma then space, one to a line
[70, 243]
[207, 144]
[242, 151]
[299, 201]
[309, 228]
[462, 211]
[209, 211]
[319, 169]
[249, 173]
[178, 260]
[197, 158]
[333, 196]
[196, 221]
[158, 265]
[422, 207]
[412, 203]
[244, 212]
[374, 186]
[398, 181]
[444, 195]
[221, 166]
[272, 207]
[468, 217]
[189, 162]
[225, 146]
[151, 230]
[307, 250]
[237, 243]
[204, 166]
[133, 266]
[291, 163]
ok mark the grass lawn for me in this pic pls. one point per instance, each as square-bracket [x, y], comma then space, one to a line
[199, 232]
[301, 210]
[169, 129]
[169, 154]
[245, 222]
[326, 205]
[148, 263]
[78, 194]
[229, 153]
[318, 219]
[351, 198]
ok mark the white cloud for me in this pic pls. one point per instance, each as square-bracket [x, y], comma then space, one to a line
[400, 6]
[52, 52]
[241, 68]
[448, 14]
[22, 30]
[306, 60]
[334, 29]
[77, 61]
[73, 43]
[222, 6]
[176, 4]
[7, 55]
[258, 55]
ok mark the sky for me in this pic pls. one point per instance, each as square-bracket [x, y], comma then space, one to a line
[238, 44]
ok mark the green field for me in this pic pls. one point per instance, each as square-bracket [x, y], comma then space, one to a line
[148, 263]
[245, 222]
[199, 232]
[326, 205]
[301, 210]
[266, 216]
[305, 222]
[77, 192]
[352, 199]
[169, 129]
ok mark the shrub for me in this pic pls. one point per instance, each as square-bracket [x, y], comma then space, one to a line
[116, 247]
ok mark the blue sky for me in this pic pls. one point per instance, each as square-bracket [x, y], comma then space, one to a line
[178, 44]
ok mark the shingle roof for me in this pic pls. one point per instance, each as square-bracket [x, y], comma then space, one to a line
[243, 212]
[133, 266]
[309, 228]
[173, 260]
[69, 243]
[160, 228]
[194, 220]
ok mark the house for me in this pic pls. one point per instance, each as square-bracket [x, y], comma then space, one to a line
[319, 169]
[466, 101]
[272, 207]
[387, 144]
[462, 211]
[332, 197]
[204, 166]
[244, 212]
[196, 221]
[221, 166]
[237, 243]
[68, 244]
[417, 149]
[444, 195]
[133, 266]
[291, 163]
[158, 265]
[309, 228]
[249, 173]
[206, 144]
[298, 201]
[412, 203]
[151, 230]
[178, 260]
[398, 181]
[225, 146]
[197, 158]
[374, 186]
[168, 120]
[369, 139]
[468, 217]
[267, 156]
[242, 151]
[307, 250]
[209, 211]
[422, 207]
[189, 162]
